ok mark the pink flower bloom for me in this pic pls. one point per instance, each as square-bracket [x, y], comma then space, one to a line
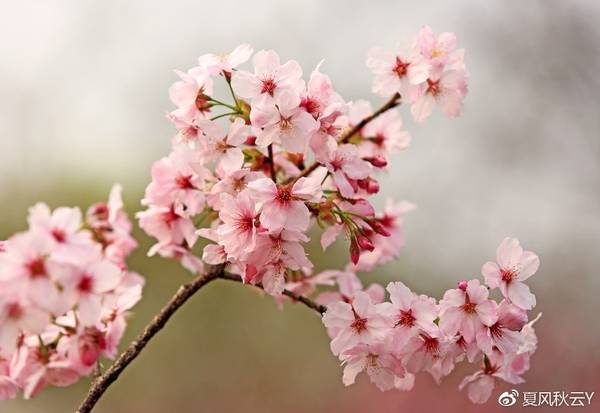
[512, 268]
[86, 284]
[269, 80]
[359, 322]
[283, 207]
[63, 225]
[397, 72]
[346, 167]
[388, 246]
[504, 333]
[232, 183]
[379, 362]
[216, 64]
[178, 180]
[384, 136]
[447, 89]
[409, 312]
[33, 370]
[467, 310]
[284, 122]
[221, 146]
[164, 224]
[190, 95]
[18, 315]
[440, 50]
[321, 100]
[237, 233]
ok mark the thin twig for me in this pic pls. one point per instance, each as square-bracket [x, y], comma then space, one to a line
[101, 383]
[392, 103]
[295, 297]
[272, 163]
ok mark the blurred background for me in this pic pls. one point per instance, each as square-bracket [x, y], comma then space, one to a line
[84, 96]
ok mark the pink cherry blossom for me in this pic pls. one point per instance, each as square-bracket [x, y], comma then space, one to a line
[512, 268]
[346, 167]
[215, 64]
[269, 80]
[283, 207]
[223, 146]
[504, 333]
[447, 89]
[190, 95]
[238, 231]
[284, 122]
[397, 71]
[359, 322]
[467, 310]
[380, 364]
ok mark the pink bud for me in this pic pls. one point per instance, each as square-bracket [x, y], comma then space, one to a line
[462, 285]
[354, 250]
[378, 227]
[365, 243]
[250, 140]
[378, 161]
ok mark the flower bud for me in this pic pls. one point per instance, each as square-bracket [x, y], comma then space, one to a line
[377, 161]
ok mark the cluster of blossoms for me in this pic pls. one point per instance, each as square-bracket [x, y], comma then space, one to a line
[252, 176]
[286, 153]
[393, 340]
[64, 293]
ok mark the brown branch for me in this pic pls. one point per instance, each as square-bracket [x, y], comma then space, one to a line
[295, 297]
[392, 103]
[102, 382]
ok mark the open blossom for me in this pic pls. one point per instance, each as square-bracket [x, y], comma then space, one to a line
[283, 207]
[215, 64]
[237, 234]
[504, 333]
[397, 71]
[447, 89]
[284, 122]
[223, 146]
[467, 309]
[512, 267]
[270, 78]
[64, 291]
[346, 166]
[438, 50]
[380, 363]
[190, 95]
[359, 322]
[384, 136]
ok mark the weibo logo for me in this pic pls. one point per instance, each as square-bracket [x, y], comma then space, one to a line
[508, 398]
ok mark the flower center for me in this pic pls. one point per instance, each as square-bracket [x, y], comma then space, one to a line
[36, 268]
[184, 182]
[405, 319]
[359, 325]
[85, 284]
[14, 311]
[400, 68]
[283, 195]
[59, 235]
[508, 274]
[468, 308]
[433, 87]
[431, 344]
[268, 85]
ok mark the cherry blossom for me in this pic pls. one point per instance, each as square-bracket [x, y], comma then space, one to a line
[512, 268]
[257, 175]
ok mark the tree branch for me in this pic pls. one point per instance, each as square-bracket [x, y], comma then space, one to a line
[295, 297]
[392, 103]
[101, 383]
